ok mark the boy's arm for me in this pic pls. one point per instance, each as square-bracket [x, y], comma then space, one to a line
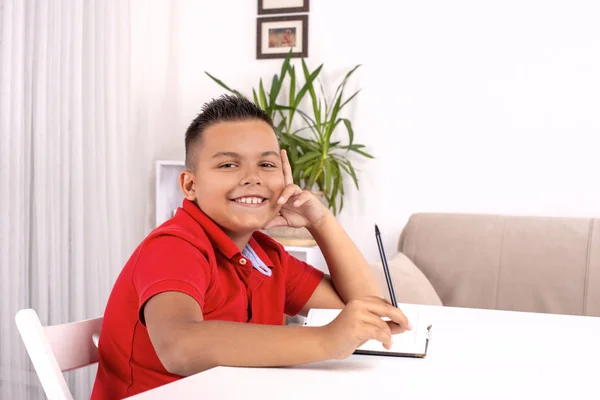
[351, 277]
[186, 344]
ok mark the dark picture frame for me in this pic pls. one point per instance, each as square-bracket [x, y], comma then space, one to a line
[282, 10]
[272, 32]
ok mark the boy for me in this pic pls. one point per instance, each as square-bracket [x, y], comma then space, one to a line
[207, 289]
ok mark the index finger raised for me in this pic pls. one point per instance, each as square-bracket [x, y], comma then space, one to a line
[287, 168]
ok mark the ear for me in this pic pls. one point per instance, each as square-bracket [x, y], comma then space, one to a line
[187, 183]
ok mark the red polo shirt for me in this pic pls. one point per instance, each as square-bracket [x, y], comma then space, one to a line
[191, 254]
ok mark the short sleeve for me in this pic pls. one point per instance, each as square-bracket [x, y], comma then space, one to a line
[169, 263]
[301, 281]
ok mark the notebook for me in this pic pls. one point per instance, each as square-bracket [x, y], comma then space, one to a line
[411, 343]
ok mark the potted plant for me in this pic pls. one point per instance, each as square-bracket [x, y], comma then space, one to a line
[320, 160]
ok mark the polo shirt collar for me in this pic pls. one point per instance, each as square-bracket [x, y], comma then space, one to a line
[218, 238]
[260, 252]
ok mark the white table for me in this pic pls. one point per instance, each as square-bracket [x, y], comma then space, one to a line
[473, 354]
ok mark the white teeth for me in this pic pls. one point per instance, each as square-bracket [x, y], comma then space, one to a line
[250, 200]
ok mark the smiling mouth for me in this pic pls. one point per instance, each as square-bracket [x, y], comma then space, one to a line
[250, 200]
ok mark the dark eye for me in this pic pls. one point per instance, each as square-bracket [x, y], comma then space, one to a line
[268, 165]
[227, 165]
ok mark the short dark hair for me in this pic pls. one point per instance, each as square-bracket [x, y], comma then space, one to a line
[223, 109]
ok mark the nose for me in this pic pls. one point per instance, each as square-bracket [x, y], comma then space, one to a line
[251, 177]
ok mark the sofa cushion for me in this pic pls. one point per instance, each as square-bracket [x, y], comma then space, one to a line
[410, 285]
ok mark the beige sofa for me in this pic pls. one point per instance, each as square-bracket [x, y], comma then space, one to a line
[536, 264]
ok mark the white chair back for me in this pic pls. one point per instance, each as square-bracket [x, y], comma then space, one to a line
[57, 348]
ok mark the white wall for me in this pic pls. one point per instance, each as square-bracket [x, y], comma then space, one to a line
[468, 105]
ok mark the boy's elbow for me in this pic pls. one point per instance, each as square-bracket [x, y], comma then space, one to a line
[179, 359]
[175, 362]
[168, 354]
[173, 321]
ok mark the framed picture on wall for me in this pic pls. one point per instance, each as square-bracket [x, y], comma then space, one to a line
[282, 6]
[275, 36]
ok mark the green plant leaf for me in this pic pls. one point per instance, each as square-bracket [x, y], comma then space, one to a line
[312, 126]
[356, 148]
[302, 180]
[275, 88]
[334, 118]
[333, 123]
[285, 66]
[263, 97]
[350, 130]
[256, 101]
[313, 96]
[325, 100]
[277, 81]
[279, 127]
[301, 129]
[350, 98]
[320, 108]
[283, 118]
[314, 175]
[307, 84]
[329, 178]
[284, 142]
[306, 173]
[351, 171]
[292, 106]
[339, 90]
[280, 107]
[306, 117]
[342, 193]
[332, 205]
[305, 143]
[224, 86]
[308, 157]
[338, 186]
[293, 155]
[362, 153]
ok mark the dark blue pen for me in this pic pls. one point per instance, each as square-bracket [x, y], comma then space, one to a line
[386, 268]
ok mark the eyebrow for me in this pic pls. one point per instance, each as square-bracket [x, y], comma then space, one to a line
[232, 154]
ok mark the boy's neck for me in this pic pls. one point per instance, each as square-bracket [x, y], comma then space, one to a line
[239, 239]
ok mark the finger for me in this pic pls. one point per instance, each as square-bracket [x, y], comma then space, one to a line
[288, 179]
[372, 319]
[375, 333]
[302, 198]
[288, 191]
[277, 221]
[395, 328]
[382, 308]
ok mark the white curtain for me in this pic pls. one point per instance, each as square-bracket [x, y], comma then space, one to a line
[76, 159]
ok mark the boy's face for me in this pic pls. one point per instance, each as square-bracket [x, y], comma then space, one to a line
[238, 176]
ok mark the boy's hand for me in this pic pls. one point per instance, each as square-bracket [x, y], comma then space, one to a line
[361, 321]
[299, 208]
